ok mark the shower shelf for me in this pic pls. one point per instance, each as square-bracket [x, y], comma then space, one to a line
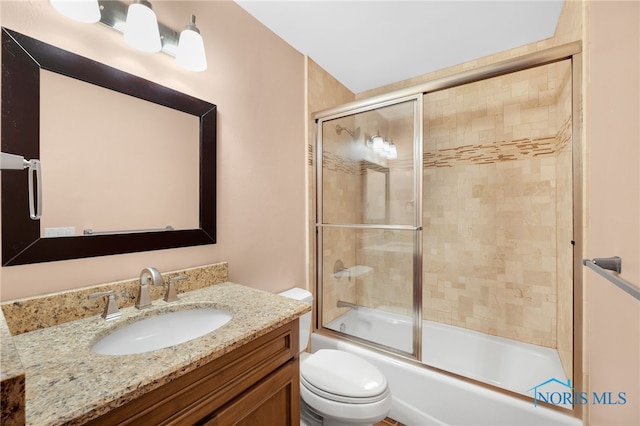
[340, 271]
[359, 270]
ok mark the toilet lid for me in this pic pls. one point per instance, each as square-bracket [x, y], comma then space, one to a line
[342, 374]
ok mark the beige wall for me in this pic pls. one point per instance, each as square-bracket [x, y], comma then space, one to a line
[613, 204]
[257, 82]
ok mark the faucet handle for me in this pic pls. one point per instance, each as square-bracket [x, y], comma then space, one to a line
[111, 311]
[171, 295]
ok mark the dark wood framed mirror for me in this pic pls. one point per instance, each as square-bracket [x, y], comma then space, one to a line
[22, 60]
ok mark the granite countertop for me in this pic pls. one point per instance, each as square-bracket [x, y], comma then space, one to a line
[11, 365]
[11, 377]
[67, 383]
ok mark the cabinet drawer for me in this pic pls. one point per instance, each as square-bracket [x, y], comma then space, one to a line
[197, 394]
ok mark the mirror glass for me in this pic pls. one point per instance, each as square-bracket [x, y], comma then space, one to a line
[139, 171]
[121, 156]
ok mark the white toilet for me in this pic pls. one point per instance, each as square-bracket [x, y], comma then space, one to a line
[337, 388]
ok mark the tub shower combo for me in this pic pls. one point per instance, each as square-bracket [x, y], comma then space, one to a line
[446, 216]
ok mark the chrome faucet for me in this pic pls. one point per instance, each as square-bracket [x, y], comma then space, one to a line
[144, 301]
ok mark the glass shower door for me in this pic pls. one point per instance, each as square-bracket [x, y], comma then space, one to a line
[367, 225]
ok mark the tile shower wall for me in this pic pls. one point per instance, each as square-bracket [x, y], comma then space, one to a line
[497, 205]
[564, 231]
[342, 189]
[323, 91]
[390, 252]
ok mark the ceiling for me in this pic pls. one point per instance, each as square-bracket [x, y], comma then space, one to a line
[366, 44]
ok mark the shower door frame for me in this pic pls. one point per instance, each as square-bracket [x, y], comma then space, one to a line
[416, 227]
[570, 51]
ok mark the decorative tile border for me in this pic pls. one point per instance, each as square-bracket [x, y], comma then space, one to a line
[465, 154]
[489, 153]
[336, 163]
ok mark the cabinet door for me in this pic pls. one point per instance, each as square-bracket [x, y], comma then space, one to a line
[275, 401]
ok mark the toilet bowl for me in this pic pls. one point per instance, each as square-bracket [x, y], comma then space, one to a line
[337, 388]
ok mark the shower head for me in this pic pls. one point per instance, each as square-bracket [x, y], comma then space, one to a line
[353, 133]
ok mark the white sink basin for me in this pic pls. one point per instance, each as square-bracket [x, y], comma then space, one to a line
[162, 331]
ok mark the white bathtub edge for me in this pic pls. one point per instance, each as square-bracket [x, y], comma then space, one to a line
[468, 402]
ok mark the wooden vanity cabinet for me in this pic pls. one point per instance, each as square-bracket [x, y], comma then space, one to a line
[254, 384]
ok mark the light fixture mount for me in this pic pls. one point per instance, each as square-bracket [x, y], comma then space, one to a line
[192, 25]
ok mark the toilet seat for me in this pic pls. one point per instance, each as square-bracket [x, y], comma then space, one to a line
[358, 413]
[342, 377]
[339, 398]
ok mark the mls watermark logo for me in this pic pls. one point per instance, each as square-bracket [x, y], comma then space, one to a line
[557, 392]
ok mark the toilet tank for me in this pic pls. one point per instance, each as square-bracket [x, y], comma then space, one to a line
[305, 320]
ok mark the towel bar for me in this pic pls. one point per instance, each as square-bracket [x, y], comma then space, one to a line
[131, 231]
[613, 264]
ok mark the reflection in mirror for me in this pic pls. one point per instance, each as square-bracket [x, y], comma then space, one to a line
[376, 193]
[24, 61]
[138, 171]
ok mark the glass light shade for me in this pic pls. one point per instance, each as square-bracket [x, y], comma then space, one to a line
[191, 54]
[141, 29]
[377, 144]
[393, 152]
[385, 148]
[87, 11]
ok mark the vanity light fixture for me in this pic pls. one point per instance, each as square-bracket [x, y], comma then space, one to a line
[87, 11]
[377, 143]
[393, 151]
[141, 28]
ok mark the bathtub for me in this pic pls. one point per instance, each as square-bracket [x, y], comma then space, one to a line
[423, 396]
